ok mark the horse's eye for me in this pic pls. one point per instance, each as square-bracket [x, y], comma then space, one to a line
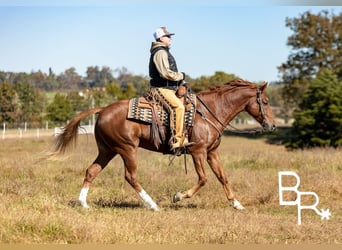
[265, 101]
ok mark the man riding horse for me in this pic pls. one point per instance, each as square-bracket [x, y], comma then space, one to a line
[165, 79]
[116, 134]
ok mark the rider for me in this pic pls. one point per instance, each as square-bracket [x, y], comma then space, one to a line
[166, 78]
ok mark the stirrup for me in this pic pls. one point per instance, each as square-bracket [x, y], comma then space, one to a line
[178, 151]
[182, 148]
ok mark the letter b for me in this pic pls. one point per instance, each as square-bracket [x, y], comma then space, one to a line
[282, 188]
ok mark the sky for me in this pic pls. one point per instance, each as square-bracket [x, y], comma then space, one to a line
[245, 38]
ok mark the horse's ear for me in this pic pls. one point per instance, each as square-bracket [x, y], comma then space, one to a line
[263, 86]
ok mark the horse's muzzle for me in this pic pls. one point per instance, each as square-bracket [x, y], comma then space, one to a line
[269, 127]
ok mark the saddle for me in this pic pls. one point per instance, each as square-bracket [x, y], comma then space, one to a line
[152, 109]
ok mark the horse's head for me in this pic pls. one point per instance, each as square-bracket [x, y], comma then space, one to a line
[259, 108]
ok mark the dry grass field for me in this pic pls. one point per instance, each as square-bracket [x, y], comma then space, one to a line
[38, 198]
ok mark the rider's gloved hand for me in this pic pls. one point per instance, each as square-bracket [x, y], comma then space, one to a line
[185, 84]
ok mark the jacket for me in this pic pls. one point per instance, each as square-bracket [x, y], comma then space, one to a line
[163, 68]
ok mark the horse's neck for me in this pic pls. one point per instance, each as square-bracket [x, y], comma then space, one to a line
[226, 106]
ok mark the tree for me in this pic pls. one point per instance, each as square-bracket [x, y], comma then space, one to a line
[78, 101]
[99, 78]
[316, 44]
[8, 103]
[2, 76]
[60, 110]
[31, 103]
[274, 93]
[114, 90]
[69, 79]
[128, 92]
[205, 82]
[318, 121]
[50, 82]
[140, 84]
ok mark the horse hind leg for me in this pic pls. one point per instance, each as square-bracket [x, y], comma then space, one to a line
[92, 171]
[129, 158]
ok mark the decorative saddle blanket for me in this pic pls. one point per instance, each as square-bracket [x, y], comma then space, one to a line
[141, 109]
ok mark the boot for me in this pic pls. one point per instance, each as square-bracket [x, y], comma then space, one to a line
[183, 144]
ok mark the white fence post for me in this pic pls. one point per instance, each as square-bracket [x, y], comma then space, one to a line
[3, 130]
[85, 129]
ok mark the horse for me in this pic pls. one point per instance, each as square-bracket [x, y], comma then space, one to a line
[215, 108]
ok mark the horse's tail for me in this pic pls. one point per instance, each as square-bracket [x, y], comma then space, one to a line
[70, 131]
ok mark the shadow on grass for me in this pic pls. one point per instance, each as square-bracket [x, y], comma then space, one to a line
[113, 203]
[103, 203]
[179, 206]
[277, 137]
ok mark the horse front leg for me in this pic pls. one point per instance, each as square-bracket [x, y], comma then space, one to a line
[199, 162]
[216, 166]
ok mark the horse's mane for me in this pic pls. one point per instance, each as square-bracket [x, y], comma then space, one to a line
[229, 86]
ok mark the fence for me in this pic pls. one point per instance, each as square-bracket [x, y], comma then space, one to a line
[85, 129]
[39, 132]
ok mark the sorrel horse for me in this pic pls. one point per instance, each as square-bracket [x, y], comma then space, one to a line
[115, 134]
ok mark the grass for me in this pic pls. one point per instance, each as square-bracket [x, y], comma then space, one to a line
[39, 197]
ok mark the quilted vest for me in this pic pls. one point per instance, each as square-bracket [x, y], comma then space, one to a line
[156, 79]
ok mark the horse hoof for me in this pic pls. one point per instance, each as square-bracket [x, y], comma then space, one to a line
[155, 209]
[237, 205]
[84, 204]
[177, 197]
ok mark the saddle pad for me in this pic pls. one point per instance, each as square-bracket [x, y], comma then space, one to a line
[139, 109]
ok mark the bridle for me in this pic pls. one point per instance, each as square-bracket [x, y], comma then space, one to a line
[261, 106]
[220, 131]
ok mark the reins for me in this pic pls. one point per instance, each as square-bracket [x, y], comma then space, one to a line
[236, 130]
[220, 131]
[208, 120]
[262, 112]
[240, 131]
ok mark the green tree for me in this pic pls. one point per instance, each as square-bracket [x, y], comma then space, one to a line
[69, 79]
[100, 98]
[318, 121]
[128, 92]
[60, 110]
[8, 103]
[78, 101]
[205, 82]
[316, 43]
[99, 78]
[31, 104]
[140, 84]
[120, 93]
[2, 76]
[50, 83]
[113, 90]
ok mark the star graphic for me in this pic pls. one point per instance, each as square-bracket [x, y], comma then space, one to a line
[325, 214]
